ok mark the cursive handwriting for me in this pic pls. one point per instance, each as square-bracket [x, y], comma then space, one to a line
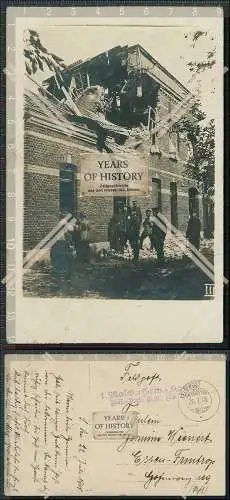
[170, 462]
[197, 485]
[39, 414]
[141, 438]
[14, 433]
[131, 375]
[182, 459]
[82, 453]
[179, 458]
[181, 435]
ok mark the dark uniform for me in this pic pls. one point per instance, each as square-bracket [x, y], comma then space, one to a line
[158, 237]
[147, 228]
[136, 209]
[122, 229]
[112, 237]
[84, 249]
[61, 260]
[193, 231]
[76, 235]
[80, 239]
[134, 230]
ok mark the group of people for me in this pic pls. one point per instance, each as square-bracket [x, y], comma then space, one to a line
[125, 227]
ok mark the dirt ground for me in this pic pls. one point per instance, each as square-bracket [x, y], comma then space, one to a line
[118, 277]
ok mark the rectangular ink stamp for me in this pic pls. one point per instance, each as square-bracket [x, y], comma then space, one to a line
[113, 425]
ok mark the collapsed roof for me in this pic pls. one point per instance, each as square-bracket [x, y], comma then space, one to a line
[112, 97]
[131, 80]
[107, 67]
[44, 109]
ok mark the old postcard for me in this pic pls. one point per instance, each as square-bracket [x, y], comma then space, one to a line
[115, 177]
[115, 425]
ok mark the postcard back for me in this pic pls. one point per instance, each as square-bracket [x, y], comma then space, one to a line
[115, 425]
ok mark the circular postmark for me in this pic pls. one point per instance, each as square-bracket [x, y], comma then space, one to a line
[199, 400]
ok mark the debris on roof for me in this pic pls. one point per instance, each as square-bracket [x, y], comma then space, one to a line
[91, 104]
[51, 110]
[44, 111]
[113, 97]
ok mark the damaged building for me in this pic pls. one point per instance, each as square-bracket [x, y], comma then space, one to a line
[120, 101]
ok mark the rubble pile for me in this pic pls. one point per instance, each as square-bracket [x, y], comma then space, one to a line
[92, 104]
[91, 101]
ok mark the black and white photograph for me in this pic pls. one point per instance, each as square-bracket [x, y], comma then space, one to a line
[119, 162]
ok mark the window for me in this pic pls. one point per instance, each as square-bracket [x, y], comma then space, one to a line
[156, 194]
[67, 189]
[173, 193]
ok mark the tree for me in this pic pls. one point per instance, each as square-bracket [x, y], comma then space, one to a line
[200, 132]
[201, 136]
[201, 162]
[201, 65]
[36, 55]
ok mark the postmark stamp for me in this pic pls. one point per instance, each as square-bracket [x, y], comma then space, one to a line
[199, 400]
[114, 425]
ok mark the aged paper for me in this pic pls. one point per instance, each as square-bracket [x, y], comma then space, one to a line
[115, 425]
[115, 175]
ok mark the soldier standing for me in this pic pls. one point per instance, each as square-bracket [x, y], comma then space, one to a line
[134, 229]
[159, 229]
[193, 230]
[135, 209]
[147, 227]
[112, 236]
[61, 257]
[76, 235]
[80, 238]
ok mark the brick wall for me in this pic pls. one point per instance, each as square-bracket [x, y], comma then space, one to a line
[41, 207]
[41, 204]
[49, 149]
[99, 211]
[165, 104]
[174, 169]
[49, 152]
[41, 192]
[183, 209]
